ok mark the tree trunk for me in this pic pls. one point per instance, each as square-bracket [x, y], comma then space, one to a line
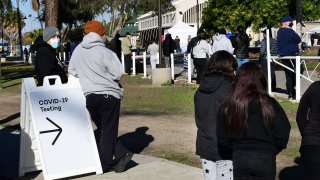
[299, 15]
[51, 13]
[122, 19]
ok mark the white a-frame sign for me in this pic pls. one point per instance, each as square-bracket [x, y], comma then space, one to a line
[56, 132]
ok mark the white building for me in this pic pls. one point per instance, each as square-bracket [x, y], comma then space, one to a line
[186, 11]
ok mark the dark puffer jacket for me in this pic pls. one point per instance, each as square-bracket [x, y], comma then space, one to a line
[47, 63]
[241, 46]
[208, 98]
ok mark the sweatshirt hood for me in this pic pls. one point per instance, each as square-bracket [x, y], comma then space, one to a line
[220, 36]
[91, 40]
[210, 84]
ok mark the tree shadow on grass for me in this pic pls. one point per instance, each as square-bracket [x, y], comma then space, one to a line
[10, 118]
[292, 173]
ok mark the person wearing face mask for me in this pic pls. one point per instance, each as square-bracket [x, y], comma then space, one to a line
[46, 61]
[288, 45]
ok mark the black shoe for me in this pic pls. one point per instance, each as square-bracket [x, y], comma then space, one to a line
[121, 165]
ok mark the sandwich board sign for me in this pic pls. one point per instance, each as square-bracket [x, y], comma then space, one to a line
[56, 131]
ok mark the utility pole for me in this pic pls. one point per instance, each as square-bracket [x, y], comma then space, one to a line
[19, 29]
[197, 14]
[160, 31]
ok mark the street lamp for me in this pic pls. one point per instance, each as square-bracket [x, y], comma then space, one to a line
[197, 14]
[19, 29]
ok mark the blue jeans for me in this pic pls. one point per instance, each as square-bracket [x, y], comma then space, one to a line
[242, 61]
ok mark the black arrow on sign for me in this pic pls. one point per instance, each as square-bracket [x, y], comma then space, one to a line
[54, 130]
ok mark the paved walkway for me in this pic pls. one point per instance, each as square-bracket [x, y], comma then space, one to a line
[141, 166]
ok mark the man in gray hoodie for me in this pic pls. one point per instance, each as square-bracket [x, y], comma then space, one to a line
[99, 71]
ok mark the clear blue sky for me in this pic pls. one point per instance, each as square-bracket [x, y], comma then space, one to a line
[33, 23]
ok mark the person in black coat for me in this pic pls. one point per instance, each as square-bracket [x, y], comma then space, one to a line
[241, 46]
[115, 45]
[168, 48]
[46, 61]
[214, 88]
[252, 125]
[308, 120]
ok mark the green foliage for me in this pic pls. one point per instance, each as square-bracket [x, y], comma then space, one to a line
[311, 10]
[139, 7]
[33, 35]
[256, 13]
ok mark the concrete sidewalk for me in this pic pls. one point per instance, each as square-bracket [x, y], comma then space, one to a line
[140, 167]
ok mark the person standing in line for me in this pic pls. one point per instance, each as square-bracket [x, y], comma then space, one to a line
[221, 42]
[241, 46]
[214, 88]
[99, 72]
[288, 45]
[115, 45]
[47, 62]
[126, 49]
[168, 48]
[252, 125]
[263, 58]
[189, 38]
[201, 52]
[177, 43]
[153, 49]
[308, 120]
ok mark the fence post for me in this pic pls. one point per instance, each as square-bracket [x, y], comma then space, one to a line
[298, 84]
[172, 66]
[134, 63]
[268, 63]
[189, 68]
[158, 60]
[144, 64]
[122, 60]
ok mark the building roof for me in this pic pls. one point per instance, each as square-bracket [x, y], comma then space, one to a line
[132, 21]
[131, 29]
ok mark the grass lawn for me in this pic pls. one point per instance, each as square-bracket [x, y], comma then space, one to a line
[140, 95]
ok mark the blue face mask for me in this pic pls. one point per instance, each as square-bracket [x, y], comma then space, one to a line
[55, 43]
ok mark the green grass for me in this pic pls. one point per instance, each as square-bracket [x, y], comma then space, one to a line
[179, 158]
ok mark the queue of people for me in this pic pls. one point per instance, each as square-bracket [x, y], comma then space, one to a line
[239, 126]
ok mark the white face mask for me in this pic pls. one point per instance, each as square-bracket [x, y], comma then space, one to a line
[55, 43]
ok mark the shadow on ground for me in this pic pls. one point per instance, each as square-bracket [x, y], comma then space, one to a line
[138, 140]
[293, 172]
[9, 152]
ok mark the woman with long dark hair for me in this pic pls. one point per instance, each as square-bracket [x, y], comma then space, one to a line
[215, 85]
[253, 125]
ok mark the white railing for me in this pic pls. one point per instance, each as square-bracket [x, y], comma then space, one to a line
[298, 61]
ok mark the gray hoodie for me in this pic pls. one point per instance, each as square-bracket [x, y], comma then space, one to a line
[222, 43]
[98, 68]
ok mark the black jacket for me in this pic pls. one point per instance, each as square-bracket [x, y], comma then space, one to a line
[47, 63]
[168, 46]
[115, 46]
[207, 100]
[308, 116]
[256, 138]
[241, 46]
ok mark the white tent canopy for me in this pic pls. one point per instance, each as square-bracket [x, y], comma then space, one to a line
[182, 30]
[315, 30]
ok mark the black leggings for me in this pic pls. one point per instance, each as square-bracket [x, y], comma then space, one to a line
[254, 165]
[199, 64]
[310, 159]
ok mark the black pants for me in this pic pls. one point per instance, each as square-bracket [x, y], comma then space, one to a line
[310, 160]
[104, 110]
[290, 76]
[264, 68]
[128, 63]
[254, 165]
[199, 64]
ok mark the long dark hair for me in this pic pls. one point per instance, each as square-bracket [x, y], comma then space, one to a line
[223, 63]
[249, 83]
